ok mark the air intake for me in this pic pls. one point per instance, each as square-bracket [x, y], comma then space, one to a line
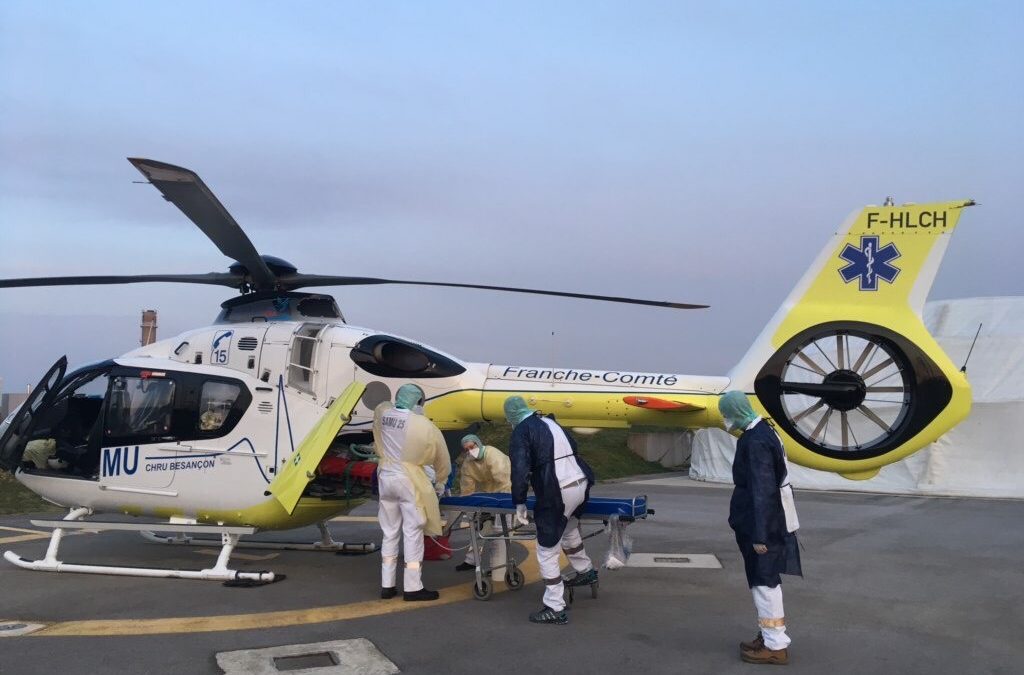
[248, 344]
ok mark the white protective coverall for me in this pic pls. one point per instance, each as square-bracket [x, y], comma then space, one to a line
[405, 443]
[491, 473]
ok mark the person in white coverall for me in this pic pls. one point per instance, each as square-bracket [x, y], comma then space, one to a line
[406, 442]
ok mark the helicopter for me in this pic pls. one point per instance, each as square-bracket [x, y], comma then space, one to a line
[234, 427]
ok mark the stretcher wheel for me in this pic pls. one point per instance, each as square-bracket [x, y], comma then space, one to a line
[514, 578]
[482, 591]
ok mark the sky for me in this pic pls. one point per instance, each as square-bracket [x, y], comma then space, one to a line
[694, 152]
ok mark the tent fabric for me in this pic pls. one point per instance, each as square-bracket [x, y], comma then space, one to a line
[983, 456]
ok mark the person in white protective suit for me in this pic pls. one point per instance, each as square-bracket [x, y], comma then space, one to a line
[406, 442]
[544, 458]
[763, 516]
[484, 468]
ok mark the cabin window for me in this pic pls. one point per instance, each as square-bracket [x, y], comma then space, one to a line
[302, 358]
[215, 403]
[139, 406]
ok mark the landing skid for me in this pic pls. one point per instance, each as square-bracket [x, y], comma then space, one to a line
[326, 543]
[229, 537]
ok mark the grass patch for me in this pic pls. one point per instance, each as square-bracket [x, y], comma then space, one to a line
[606, 451]
[16, 498]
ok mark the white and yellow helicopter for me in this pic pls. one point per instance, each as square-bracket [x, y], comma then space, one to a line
[225, 429]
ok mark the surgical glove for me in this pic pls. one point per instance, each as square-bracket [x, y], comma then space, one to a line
[521, 517]
[439, 490]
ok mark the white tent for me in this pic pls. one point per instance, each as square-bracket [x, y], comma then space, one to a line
[983, 456]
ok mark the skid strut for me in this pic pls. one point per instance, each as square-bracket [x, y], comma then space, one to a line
[229, 537]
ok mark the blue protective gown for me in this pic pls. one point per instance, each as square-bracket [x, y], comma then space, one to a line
[532, 451]
[755, 510]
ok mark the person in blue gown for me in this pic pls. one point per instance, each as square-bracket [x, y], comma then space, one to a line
[763, 516]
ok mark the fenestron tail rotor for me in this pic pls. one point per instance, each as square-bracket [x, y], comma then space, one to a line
[852, 391]
[846, 391]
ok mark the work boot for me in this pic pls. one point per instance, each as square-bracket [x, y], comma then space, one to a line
[464, 567]
[754, 644]
[548, 615]
[422, 595]
[763, 655]
[582, 579]
[388, 593]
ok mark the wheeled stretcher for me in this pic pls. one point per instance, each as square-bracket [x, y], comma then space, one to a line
[483, 507]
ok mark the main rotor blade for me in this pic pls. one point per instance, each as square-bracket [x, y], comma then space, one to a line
[306, 280]
[213, 278]
[188, 192]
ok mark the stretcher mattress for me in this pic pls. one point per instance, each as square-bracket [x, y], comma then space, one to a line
[598, 508]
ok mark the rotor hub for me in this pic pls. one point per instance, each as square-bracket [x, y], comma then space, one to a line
[853, 394]
[278, 266]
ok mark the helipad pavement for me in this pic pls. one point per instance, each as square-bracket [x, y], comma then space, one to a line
[894, 584]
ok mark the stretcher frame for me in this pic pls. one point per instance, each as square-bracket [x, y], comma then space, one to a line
[478, 515]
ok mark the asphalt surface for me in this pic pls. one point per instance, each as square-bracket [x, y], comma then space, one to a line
[893, 585]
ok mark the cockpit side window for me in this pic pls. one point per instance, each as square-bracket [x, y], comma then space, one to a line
[139, 406]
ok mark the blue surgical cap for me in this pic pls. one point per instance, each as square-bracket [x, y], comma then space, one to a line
[516, 410]
[736, 410]
[409, 396]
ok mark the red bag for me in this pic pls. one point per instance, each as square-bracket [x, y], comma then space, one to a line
[436, 548]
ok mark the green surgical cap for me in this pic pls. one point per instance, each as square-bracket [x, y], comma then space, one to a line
[516, 410]
[736, 410]
[409, 396]
[475, 439]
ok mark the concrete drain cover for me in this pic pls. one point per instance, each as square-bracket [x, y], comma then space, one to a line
[16, 628]
[341, 657]
[705, 561]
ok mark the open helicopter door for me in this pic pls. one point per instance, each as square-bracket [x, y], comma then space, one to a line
[15, 429]
[291, 482]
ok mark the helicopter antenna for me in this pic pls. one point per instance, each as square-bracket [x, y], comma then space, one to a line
[963, 368]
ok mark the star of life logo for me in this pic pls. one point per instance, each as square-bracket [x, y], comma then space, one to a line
[869, 263]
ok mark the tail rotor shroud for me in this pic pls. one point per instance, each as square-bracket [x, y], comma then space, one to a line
[850, 390]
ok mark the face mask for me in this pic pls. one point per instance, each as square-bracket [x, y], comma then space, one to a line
[474, 453]
[418, 409]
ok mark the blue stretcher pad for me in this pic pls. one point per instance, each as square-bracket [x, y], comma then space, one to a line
[597, 508]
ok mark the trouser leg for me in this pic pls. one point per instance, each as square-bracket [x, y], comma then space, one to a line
[550, 572]
[412, 540]
[572, 544]
[572, 540]
[390, 517]
[771, 618]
